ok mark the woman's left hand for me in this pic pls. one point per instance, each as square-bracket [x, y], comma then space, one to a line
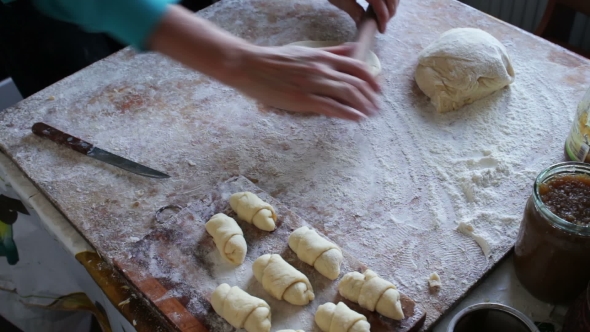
[384, 9]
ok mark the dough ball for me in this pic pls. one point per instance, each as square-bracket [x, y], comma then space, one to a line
[462, 66]
[372, 60]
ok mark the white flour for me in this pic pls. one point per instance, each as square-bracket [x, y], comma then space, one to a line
[391, 190]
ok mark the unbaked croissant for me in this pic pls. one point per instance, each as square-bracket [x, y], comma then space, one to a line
[241, 309]
[340, 318]
[228, 238]
[253, 210]
[281, 280]
[316, 251]
[372, 293]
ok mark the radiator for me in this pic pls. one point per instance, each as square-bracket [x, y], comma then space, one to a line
[526, 14]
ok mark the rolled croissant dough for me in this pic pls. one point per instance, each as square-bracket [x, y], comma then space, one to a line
[372, 60]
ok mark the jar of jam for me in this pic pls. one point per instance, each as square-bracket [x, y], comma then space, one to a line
[577, 145]
[552, 250]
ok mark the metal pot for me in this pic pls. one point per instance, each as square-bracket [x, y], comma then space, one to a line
[491, 317]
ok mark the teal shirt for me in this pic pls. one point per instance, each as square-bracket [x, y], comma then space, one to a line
[129, 21]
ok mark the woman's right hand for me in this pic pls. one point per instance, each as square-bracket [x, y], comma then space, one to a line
[300, 79]
[294, 78]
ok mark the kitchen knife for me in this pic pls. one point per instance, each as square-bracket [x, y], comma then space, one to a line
[78, 145]
[365, 35]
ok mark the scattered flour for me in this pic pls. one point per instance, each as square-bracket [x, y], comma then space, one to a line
[391, 190]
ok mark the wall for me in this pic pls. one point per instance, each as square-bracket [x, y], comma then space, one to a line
[9, 94]
[527, 14]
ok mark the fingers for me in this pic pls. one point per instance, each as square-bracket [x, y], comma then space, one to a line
[345, 49]
[348, 95]
[351, 7]
[362, 87]
[332, 108]
[382, 11]
[353, 67]
[385, 10]
[345, 89]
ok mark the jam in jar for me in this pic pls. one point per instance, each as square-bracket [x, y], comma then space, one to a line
[552, 251]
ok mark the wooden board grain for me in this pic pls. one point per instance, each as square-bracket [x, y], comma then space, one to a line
[185, 257]
[390, 190]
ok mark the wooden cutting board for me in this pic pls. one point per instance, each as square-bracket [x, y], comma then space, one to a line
[177, 267]
[390, 191]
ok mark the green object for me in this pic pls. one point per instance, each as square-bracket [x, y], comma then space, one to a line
[129, 21]
[7, 245]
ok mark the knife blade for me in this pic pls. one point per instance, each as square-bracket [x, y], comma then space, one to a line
[365, 34]
[44, 130]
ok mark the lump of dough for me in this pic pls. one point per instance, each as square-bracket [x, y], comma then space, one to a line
[253, 210]
[372, 293]
[468, 230]
[462, 66]
[434, 283]
[241, 309]
[372, 60]
[316, 251]
[281, 280]
[228, 238]
[340, 318]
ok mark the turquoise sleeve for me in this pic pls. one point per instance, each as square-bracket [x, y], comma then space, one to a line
[129, 21]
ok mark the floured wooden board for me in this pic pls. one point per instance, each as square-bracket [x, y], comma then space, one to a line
[390, 190]
[183, 258]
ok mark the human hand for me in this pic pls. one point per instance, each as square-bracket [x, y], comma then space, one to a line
[384, 9]
[301, 79]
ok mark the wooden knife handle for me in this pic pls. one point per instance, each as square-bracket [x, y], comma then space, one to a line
[365, 35]
[44, 130]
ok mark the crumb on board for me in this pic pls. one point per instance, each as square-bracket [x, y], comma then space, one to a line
[434, 283]
[123, 303]
[468, 230]
[191, 163]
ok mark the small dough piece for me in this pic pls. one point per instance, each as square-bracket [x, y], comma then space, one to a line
[241, 309]
[468, 230]
[372, 60]
[372, 293]
[290, 331]
[340, 318]
[228, 238]
[463, 65]
[316, 251]
[281, 280]
[434, 283]
[253, 210]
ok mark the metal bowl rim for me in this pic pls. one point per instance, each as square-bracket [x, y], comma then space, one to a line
[492, 306]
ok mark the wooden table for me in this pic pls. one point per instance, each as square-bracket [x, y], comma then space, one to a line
[390, 190]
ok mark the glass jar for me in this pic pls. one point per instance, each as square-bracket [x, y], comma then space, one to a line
[577, 145]
[552, 255]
